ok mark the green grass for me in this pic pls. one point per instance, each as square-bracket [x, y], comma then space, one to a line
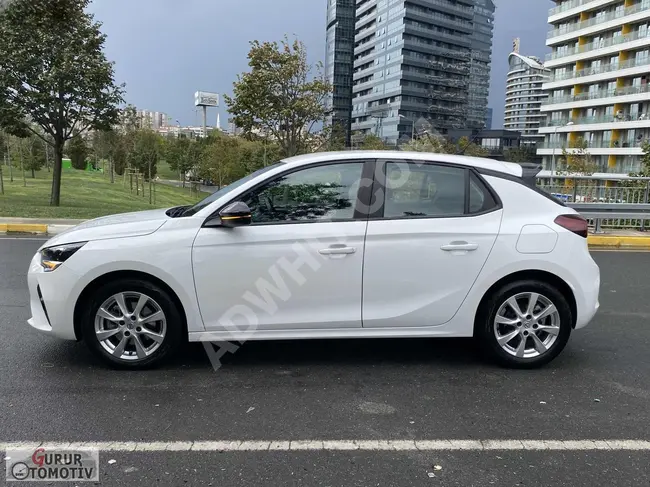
[83, 195]
[164, 172]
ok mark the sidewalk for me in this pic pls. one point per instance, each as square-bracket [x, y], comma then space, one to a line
[620, 239]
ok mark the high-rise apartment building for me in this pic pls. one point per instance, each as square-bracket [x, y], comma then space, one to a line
[598, 88]
[412, 61]
[152, 120]
[338, 64]
[524, 96]
[479, 81]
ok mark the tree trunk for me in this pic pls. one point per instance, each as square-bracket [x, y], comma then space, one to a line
[22, 168]
[150, 195]
[110, 168]
[47, 157]
[55, 197]
[11, 168]
[2, 185]
[33, 174]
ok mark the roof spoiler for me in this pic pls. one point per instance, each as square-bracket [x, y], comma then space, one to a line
[529, 172]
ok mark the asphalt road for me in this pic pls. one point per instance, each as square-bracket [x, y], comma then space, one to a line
[599, 388]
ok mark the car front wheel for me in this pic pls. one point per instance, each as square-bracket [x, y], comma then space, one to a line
[525, 324]
[132, 324]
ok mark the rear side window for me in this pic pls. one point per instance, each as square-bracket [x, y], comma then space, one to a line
[480, 198]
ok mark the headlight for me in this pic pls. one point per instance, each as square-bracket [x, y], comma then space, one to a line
[53, 257]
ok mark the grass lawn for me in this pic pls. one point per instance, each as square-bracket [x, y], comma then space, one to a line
[83, 195]
[164, 172]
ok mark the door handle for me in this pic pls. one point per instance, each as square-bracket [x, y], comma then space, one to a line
[337, 251]
[466, 246]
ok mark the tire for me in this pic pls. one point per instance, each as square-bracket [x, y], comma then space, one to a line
[552, 331]
[158, 330]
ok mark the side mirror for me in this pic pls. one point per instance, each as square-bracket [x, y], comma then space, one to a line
[236, 214]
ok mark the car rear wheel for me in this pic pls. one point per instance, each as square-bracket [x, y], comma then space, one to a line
[524, 324]
[132, 324]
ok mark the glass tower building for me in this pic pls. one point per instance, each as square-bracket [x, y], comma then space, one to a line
[413, 62]
[479, 82]
[338, 64]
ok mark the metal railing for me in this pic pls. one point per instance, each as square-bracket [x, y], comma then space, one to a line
[622, 203]
[617, 14]
[603, 68]
[594, 95]
[626, 117]
[599, 44]
[567, 6]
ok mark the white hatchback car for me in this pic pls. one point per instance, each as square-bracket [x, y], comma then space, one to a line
[329, 245]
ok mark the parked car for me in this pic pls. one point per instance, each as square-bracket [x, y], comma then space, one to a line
[329, 245]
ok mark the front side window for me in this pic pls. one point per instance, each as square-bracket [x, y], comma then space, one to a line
[316, 194]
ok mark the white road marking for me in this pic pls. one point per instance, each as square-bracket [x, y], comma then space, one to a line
[339, 445]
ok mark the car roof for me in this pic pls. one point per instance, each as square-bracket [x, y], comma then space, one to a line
[478, 162]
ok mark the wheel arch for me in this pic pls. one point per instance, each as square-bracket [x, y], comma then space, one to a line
[99, 281]
[532, 274]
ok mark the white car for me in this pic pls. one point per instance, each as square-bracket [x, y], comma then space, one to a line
[329, 245]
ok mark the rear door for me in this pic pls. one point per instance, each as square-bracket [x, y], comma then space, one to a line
[427, 243]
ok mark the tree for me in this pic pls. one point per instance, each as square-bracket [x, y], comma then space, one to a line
[278, 98]
[182, 155]
[144, 155]
[105, 145]
[578, 160]
[519, 154]
[78, 151]
[372, 142]
[54, 74]
[440, 145]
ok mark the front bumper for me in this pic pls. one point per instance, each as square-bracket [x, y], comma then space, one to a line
[52, 299]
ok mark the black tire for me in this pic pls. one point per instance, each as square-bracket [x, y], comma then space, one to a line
[174, 323]
[487, 313]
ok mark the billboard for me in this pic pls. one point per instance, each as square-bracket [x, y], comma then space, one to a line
[205, 99]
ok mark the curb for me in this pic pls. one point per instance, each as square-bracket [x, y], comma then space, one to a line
[32, 228]
[613, 241]
[607, 241]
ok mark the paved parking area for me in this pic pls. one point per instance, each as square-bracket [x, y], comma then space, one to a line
[379, 390]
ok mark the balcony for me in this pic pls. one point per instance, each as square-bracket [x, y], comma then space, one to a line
[603, 68]
[568, 6]
[595, 95]
[601, 44]
[625, 117]
[599, 20]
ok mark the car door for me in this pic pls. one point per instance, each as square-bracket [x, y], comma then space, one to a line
[426, 246]
[298, 265]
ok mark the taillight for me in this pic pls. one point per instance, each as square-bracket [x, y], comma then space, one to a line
[574, 223]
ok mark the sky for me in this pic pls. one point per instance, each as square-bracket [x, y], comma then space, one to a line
[165, 50]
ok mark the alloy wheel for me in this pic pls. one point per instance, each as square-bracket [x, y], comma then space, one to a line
[527, 325]
[130, 326]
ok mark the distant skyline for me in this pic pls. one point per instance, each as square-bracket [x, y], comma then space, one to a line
[166, 50]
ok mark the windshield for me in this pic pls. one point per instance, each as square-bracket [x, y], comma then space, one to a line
[218, 194]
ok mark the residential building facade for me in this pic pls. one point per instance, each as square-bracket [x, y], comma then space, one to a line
[339, 64]
[412, 61]
[152, 120]
[598, 86]
[479, 80]
[524, 97]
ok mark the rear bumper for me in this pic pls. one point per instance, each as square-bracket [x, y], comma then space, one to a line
[50, 300]
[586, 294]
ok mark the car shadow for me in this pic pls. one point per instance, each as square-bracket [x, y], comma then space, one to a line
[454, 352]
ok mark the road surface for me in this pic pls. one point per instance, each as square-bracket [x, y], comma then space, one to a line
[598, 389]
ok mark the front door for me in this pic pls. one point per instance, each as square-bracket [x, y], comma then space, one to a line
[297, 266]
[426, 248]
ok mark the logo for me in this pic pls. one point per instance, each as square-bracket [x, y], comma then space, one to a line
[43, 464]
